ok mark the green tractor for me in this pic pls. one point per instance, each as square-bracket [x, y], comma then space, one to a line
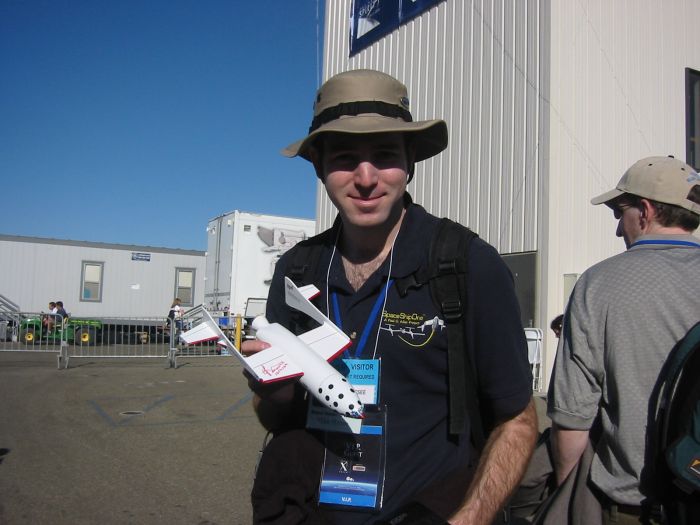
[80, 332]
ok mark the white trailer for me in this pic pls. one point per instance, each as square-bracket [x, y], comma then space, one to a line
[100, 280]
[242, 250]
[126, 290]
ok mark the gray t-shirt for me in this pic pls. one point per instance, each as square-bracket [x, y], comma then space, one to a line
[624, 316]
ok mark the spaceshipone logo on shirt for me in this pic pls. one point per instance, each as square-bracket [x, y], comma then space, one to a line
[414, 329]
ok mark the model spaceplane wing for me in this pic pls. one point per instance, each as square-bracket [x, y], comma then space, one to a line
[306, 356]
[325, 341]
[272, 364]
[202, 332]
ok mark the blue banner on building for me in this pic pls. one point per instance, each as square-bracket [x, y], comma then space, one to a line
[371, 20]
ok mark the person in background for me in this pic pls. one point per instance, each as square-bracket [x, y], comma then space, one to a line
[61, 311]
[624, 317]
[49, 319]
[176, 312]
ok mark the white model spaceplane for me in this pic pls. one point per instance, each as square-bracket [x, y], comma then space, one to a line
[306, 356]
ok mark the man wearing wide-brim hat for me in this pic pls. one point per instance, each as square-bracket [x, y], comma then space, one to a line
[405, 458]
[624, 317]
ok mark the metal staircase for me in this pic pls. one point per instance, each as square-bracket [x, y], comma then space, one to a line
[9, 317]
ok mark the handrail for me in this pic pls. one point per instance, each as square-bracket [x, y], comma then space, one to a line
[9, 310]
[8, 306]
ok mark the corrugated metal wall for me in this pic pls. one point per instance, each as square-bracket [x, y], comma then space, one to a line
[547, 104]
[617, 95]
[478, 66]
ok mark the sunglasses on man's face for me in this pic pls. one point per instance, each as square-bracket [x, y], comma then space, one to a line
[619, 210]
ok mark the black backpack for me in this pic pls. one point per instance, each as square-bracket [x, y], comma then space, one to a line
[447, 277]
[674, 436]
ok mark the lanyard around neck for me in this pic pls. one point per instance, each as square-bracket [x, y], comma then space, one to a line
[371, 320]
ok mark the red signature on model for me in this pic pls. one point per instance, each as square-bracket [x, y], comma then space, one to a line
[274, 370]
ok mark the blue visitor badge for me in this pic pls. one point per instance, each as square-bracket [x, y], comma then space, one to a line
[363, 374]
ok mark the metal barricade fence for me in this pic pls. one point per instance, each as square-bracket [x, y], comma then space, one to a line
[31, 331]
[128, 337]
[74, 337]
[114, 337]
[117, 337]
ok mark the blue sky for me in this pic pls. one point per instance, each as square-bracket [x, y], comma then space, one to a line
[136, 121]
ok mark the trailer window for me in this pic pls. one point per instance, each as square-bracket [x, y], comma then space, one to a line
[91, 280]
[184, 285]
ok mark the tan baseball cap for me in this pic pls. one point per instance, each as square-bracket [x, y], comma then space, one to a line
[661, 179]
[365, 101]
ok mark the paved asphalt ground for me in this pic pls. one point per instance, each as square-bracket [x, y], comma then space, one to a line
[125, 441]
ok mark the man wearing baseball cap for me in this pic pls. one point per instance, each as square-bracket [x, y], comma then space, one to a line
[624, 316]
[363, 144]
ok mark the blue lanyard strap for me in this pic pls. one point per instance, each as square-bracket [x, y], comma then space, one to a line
[336, 312]
[667, 242]
[374, 314]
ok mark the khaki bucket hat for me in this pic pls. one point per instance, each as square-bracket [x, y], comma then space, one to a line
[366, 101]
[661, 179]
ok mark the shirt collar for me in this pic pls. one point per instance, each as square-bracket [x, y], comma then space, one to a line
[665, 241]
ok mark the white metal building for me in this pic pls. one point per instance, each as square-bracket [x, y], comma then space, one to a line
[547, 104]
[96, 279]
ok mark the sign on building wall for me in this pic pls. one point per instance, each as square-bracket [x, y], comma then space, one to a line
[371, 20]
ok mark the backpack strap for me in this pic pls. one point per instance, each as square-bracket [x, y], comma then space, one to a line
[304, 265]
[448, 287]
[303, 269]
[306, 255]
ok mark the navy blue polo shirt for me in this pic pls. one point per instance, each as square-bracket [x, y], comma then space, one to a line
[411, 342]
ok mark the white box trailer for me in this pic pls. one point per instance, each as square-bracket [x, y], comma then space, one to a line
[242, 250]
[100, 280]
[127, 289]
